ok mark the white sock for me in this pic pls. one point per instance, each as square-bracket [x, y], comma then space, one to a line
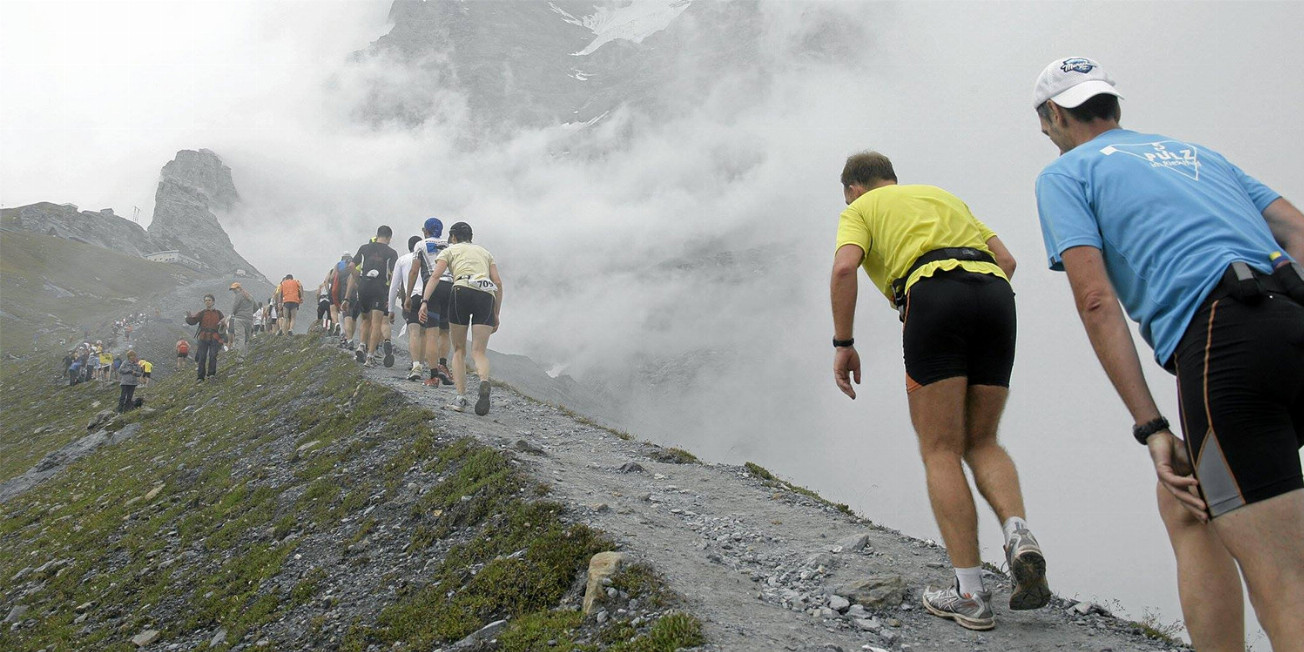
[1011, 524]
[971, 579]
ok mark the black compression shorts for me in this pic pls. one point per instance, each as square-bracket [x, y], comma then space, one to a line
[373, 295]
[412, 311]
[470, 306]
[1240, 380]
[323, 309]
[437, 305]
[959, 323]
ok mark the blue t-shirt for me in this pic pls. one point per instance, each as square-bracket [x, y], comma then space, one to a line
[1168, 216]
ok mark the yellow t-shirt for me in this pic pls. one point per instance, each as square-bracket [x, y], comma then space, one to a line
[469, 264]
[146, 367]
[894, 225]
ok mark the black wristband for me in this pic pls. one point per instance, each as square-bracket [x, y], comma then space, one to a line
[1143, 431]
[837, 343]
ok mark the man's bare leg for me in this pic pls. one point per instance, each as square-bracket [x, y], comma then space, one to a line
[1207, 581]
[993, 470]
[1267, 540]
[937, 412]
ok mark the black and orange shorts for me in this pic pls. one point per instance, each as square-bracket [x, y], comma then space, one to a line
[1240, 383]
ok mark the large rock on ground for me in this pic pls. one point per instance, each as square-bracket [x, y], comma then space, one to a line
[602, 566]
[875, 591]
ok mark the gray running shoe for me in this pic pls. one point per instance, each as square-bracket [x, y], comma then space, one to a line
[459, 403]
[1028, 568]
[968, 611]
[389, 354]
[360, 354]
[482, 405]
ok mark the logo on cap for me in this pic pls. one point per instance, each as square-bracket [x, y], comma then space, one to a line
[1078, 65]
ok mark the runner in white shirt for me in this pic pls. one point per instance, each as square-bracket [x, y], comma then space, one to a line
[401, 291]
[437, 341]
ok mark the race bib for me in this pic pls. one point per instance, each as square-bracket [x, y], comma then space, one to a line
[482, 284]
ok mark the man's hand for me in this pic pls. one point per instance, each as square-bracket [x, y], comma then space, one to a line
[422, 315]
[1173, 466]
[846, 367]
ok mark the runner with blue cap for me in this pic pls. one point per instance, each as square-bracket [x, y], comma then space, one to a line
[435, 325]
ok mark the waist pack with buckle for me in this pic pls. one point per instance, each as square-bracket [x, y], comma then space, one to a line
[946, 253]
[1249, 286]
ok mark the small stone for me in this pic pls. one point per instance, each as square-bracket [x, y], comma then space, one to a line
[84, 607]
[601, 567]
[601, 617]
[526, 447]
[875, 591]
[612, 592]
[307, 445]
[1083, 608]
[631, 467]
[839, 603]
[145, 638]
[218, 639]
[854, 543]
[868, 624]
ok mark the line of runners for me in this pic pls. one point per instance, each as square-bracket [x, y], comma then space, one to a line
[1201, 255]
[444, 289]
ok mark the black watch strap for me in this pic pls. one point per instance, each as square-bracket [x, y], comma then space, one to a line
[1143, 431]
[837, 343]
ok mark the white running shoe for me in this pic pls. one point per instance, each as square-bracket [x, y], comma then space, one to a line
[968, 611]
[459, 403]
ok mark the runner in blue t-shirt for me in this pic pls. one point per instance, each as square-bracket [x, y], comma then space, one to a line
[1200, 256]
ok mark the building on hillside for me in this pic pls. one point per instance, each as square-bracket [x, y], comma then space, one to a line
[176, 258]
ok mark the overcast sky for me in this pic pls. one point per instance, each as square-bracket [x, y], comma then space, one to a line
[98, 95]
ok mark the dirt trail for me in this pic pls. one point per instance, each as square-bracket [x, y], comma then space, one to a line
[755, 562]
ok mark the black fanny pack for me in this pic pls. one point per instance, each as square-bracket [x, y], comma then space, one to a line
[1250, 286]
[946, 253]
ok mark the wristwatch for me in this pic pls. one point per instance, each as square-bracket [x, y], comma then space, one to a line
[1143, 431]
[837, 343]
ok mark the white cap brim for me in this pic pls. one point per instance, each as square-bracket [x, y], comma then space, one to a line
[1075, 96]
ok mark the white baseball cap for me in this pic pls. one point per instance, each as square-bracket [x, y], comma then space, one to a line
[1071, 81]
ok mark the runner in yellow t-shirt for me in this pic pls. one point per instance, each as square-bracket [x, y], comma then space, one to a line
[948, 275]
[475, 303]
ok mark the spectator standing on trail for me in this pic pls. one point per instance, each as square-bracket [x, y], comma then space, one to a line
[242, 317]
[436, 323]
[129, 374]
[948, 276]
[1205, 259]
[401, 295]
[476, 301]
[374, 267]
[291, 293]
[208, 337]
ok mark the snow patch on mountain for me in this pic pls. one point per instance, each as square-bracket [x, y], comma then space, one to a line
[633, 20]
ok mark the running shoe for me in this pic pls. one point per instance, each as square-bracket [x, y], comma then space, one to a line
[416, 372]
[442, 373]
[360, 354]
[1028, 568]
[968, 611]
[389, 353]
[459, 403]
[431, 382]
[482, 404]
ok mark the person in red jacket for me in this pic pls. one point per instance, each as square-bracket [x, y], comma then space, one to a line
[209, 341]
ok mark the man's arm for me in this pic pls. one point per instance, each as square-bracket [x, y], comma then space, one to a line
[1287, 225]
[1004, 259]
[498, 294]
[842, 291]
[1106, 326]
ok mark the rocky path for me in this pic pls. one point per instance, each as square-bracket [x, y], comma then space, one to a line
[761, 565]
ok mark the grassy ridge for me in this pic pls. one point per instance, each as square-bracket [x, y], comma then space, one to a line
[242, 506]
[102, 281]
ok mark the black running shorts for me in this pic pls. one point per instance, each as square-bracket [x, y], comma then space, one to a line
[412, 311]
[290, 307]
[959, 323]
[1240, 381]
[373, 295]
[437, 305]
[470, 306]
[323, 309]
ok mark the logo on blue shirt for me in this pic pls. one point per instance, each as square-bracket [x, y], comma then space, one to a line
[1174, 155]
[1077, 65]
